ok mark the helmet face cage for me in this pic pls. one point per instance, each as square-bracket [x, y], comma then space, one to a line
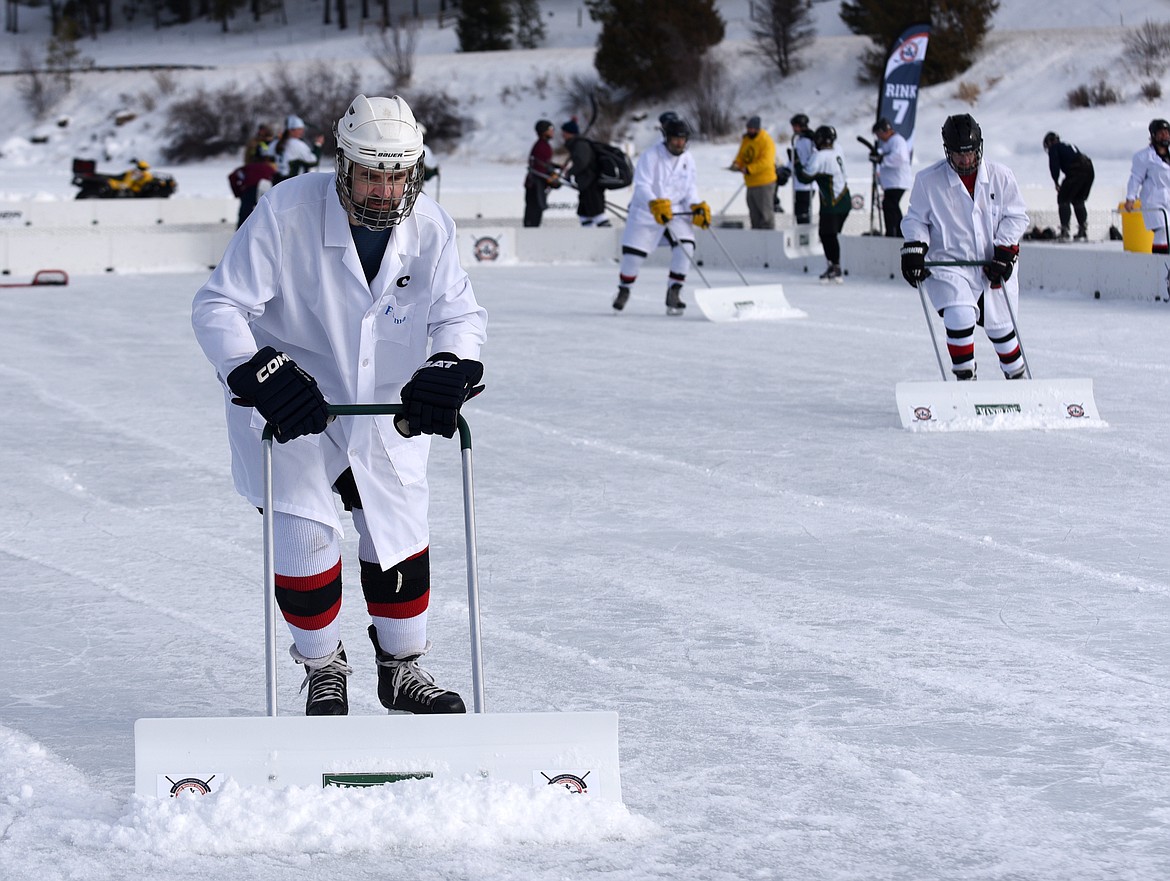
[825, 136]
[677, 134]
[1160, 133]
[962, 143]
[377, 198]
[379, 161]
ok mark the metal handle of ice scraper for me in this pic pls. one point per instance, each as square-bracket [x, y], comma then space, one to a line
[270, 623]
[1008, 300]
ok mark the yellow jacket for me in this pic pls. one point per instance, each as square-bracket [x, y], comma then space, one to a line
[757, 159]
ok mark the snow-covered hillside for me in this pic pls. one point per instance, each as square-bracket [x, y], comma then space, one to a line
[1032, 58]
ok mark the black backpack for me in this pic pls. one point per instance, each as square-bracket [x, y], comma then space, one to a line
[614, 168]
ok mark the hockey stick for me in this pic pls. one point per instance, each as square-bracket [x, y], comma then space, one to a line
[873, 189]
[734, 195]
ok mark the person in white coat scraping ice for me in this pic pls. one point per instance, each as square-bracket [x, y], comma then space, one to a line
[331, 290]
[663, 209]
[967, 209]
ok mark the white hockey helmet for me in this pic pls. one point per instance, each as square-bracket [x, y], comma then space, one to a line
[377, 136]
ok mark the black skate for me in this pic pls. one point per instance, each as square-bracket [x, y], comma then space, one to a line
[623, 297]
[1017, 373]
[967, 374]
[404, 687]
[833, 274]
[674, 303]
[326, 679]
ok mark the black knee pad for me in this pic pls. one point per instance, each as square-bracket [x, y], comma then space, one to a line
[403, 583]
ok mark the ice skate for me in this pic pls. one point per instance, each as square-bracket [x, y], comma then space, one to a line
[833, 275]
[623, 297]
[1016, 373]
[674, 303]
[404, 687]
[1064, 235]
[1082, 235]
[326, 679]
[966, 374]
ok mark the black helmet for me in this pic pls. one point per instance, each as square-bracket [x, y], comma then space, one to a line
[666, 117]
[825, 136]
[962, 137]
[1050, 139]
[799, 120]
[676, 128]
[882, 125]
[1157, 126]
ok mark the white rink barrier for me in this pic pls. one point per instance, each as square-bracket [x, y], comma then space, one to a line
[168, 235]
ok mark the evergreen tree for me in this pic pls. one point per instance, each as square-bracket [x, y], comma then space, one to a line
[529, 31]
[781, 28]
[957, 31]
[484, 25]
[653, 47]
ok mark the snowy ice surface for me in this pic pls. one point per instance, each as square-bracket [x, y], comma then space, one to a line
[839, 650]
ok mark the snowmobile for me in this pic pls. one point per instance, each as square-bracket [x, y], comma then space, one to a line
[138, 182]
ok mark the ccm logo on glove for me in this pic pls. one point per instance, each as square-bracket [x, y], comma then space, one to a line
[265, 372]
[286, 396]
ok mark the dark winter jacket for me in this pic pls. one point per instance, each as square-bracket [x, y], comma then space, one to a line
[1066, 158]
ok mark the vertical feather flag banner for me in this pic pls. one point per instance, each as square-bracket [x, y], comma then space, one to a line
[898, 98]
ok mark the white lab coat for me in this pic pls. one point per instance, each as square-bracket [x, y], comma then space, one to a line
[659, 174]
[894, 172]
[291, 278]
[957, 226]
[1149, 181]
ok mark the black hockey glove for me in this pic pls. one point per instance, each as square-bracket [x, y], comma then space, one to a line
[999, 269]
[914, 263]
[875, 157]
[282, 392]
[435, 393]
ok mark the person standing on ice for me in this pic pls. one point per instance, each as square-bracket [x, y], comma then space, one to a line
[1149, 181]
[332, 290]
[891, 159]
[965, 208]
[662, 209]
[1072, 192]
[827, 170]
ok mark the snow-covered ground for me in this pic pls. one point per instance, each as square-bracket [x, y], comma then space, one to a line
[839, 650]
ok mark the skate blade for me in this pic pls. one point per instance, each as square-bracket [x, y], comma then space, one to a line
[672, 311]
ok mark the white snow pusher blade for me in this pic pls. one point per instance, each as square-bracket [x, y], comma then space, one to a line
[574, 750]
[998, 405]
[761, 302]
[185, 756]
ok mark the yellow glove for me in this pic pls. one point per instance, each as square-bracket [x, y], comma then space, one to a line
[701, 215]
[660, 208]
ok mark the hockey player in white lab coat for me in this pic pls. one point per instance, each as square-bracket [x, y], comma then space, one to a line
[1149, 181]
[663, 208]
[966, 208]
[891, 156]
[331, 290]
